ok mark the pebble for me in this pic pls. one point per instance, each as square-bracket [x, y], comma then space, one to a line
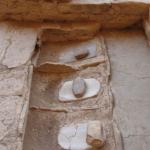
[80, 54]
[78, 87]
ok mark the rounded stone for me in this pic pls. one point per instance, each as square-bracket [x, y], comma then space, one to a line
[96, 135]
[80, 54]
[78, 87]
[66, 94]
[97, 143]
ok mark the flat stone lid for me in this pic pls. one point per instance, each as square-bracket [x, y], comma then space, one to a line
[73, 137]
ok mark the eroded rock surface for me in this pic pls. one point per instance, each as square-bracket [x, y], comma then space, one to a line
[12, 81]
[16, 48]
[110, 13]
[74, 31]
[17, 44]
[52, 67]
[130, 84]
[11, 109]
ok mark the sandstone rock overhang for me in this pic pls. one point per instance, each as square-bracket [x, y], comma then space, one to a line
[109, 13]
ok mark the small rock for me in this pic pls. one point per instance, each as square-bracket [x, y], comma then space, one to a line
[66, 94]
[19, 44]
[79, 87]
[80, 54]
[95, 134]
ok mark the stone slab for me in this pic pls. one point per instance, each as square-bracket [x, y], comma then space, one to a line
[129, 55]
[108, 12]
[12, 82]
[66, 93]
[69, 31]
[58, 68]
[4, 40]
[16, 48]
[10, 110]
[73, 137]
[18, 44]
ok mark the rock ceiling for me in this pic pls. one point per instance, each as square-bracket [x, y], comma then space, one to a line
[108, 13]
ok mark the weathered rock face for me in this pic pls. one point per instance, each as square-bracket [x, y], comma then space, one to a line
[12, 81]
[11, 107]
[110, 13]
[16, 48]
[17, 44]
[67, 50]
[73, 137]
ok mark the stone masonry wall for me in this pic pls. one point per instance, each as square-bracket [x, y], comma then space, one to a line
[16, 48]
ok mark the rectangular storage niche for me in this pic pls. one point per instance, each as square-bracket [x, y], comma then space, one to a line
[54, 107]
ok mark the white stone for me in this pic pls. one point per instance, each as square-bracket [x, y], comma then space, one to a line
[65, 134]
[12, 81]
[4, 39]
[130, 85]
[73, 137]
[18, 44]
[66, 94]
[56, 67]
[78, 141]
